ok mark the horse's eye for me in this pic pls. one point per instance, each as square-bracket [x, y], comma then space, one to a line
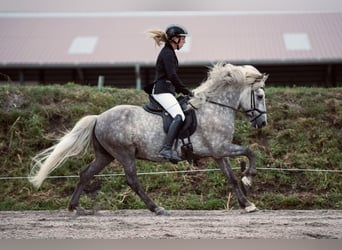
[260, 97]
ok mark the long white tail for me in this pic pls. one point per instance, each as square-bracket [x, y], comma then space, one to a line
[71, 144]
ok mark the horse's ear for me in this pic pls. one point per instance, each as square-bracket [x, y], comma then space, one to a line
[263, 78]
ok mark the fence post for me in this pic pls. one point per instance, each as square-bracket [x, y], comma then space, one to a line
[100, 82]
[137, 77]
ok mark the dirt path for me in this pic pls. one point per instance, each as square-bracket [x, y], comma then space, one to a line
[181, 224]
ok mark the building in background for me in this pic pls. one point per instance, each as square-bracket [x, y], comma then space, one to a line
[46, 43]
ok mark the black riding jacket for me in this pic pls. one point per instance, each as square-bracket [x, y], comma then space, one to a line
[166, 78]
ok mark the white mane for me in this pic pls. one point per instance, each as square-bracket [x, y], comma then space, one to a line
[222, 77]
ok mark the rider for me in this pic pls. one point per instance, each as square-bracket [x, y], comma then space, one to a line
[167, 83]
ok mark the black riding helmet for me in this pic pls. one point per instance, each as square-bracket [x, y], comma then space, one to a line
[175, 31]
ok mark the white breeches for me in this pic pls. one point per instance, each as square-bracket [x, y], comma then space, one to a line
[170, 104]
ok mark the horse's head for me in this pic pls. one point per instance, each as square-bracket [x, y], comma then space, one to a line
[245, 81]
[252, 102]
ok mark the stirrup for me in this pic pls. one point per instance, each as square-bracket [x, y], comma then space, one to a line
[170, 155]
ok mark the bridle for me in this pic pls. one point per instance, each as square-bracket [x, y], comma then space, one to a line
[254, 108]
[246, 112]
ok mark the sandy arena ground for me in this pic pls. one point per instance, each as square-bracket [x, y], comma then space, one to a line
[181, 224]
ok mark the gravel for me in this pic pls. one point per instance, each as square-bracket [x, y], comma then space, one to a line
[181, 224]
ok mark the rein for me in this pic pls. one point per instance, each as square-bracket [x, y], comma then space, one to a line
[223, 105]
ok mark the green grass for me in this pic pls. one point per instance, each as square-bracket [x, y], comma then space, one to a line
[303, 131]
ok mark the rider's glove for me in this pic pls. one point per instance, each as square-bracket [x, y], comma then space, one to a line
[186, 91]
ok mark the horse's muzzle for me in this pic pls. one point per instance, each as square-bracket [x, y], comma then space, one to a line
[260, 121]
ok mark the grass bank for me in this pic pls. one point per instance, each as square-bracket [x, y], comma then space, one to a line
[304, 132]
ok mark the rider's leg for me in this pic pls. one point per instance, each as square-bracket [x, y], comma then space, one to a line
[166, 151]
[171, 105]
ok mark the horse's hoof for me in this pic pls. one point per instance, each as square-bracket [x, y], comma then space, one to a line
[247, 181]
[72, 207]
[83, 212]
[80, 211]
[161, 211]
[251, 208]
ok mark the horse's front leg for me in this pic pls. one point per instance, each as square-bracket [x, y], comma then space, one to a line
[228, 172]
[250, 172]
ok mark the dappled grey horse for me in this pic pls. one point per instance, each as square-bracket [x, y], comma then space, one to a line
[128, 132]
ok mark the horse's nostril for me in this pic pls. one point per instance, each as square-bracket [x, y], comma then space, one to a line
[263, 124]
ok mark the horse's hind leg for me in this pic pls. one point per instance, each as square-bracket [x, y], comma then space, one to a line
[102, 159]
[228, 172]
[132, 179]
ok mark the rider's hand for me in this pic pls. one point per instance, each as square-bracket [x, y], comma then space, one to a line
[187, 92]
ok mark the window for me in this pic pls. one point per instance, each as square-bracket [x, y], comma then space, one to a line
[297, 41]
[83, 45]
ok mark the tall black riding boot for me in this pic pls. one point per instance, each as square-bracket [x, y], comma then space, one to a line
[166, 151]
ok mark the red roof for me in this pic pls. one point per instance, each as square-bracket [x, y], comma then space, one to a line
[118, 38]
[174, 5]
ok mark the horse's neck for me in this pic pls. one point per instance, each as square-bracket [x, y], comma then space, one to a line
[225, 106]
[229, 98]
[216, 120]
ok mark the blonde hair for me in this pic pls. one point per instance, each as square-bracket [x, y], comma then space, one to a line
[158, 35]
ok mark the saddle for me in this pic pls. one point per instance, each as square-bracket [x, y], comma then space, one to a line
[189, 125]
